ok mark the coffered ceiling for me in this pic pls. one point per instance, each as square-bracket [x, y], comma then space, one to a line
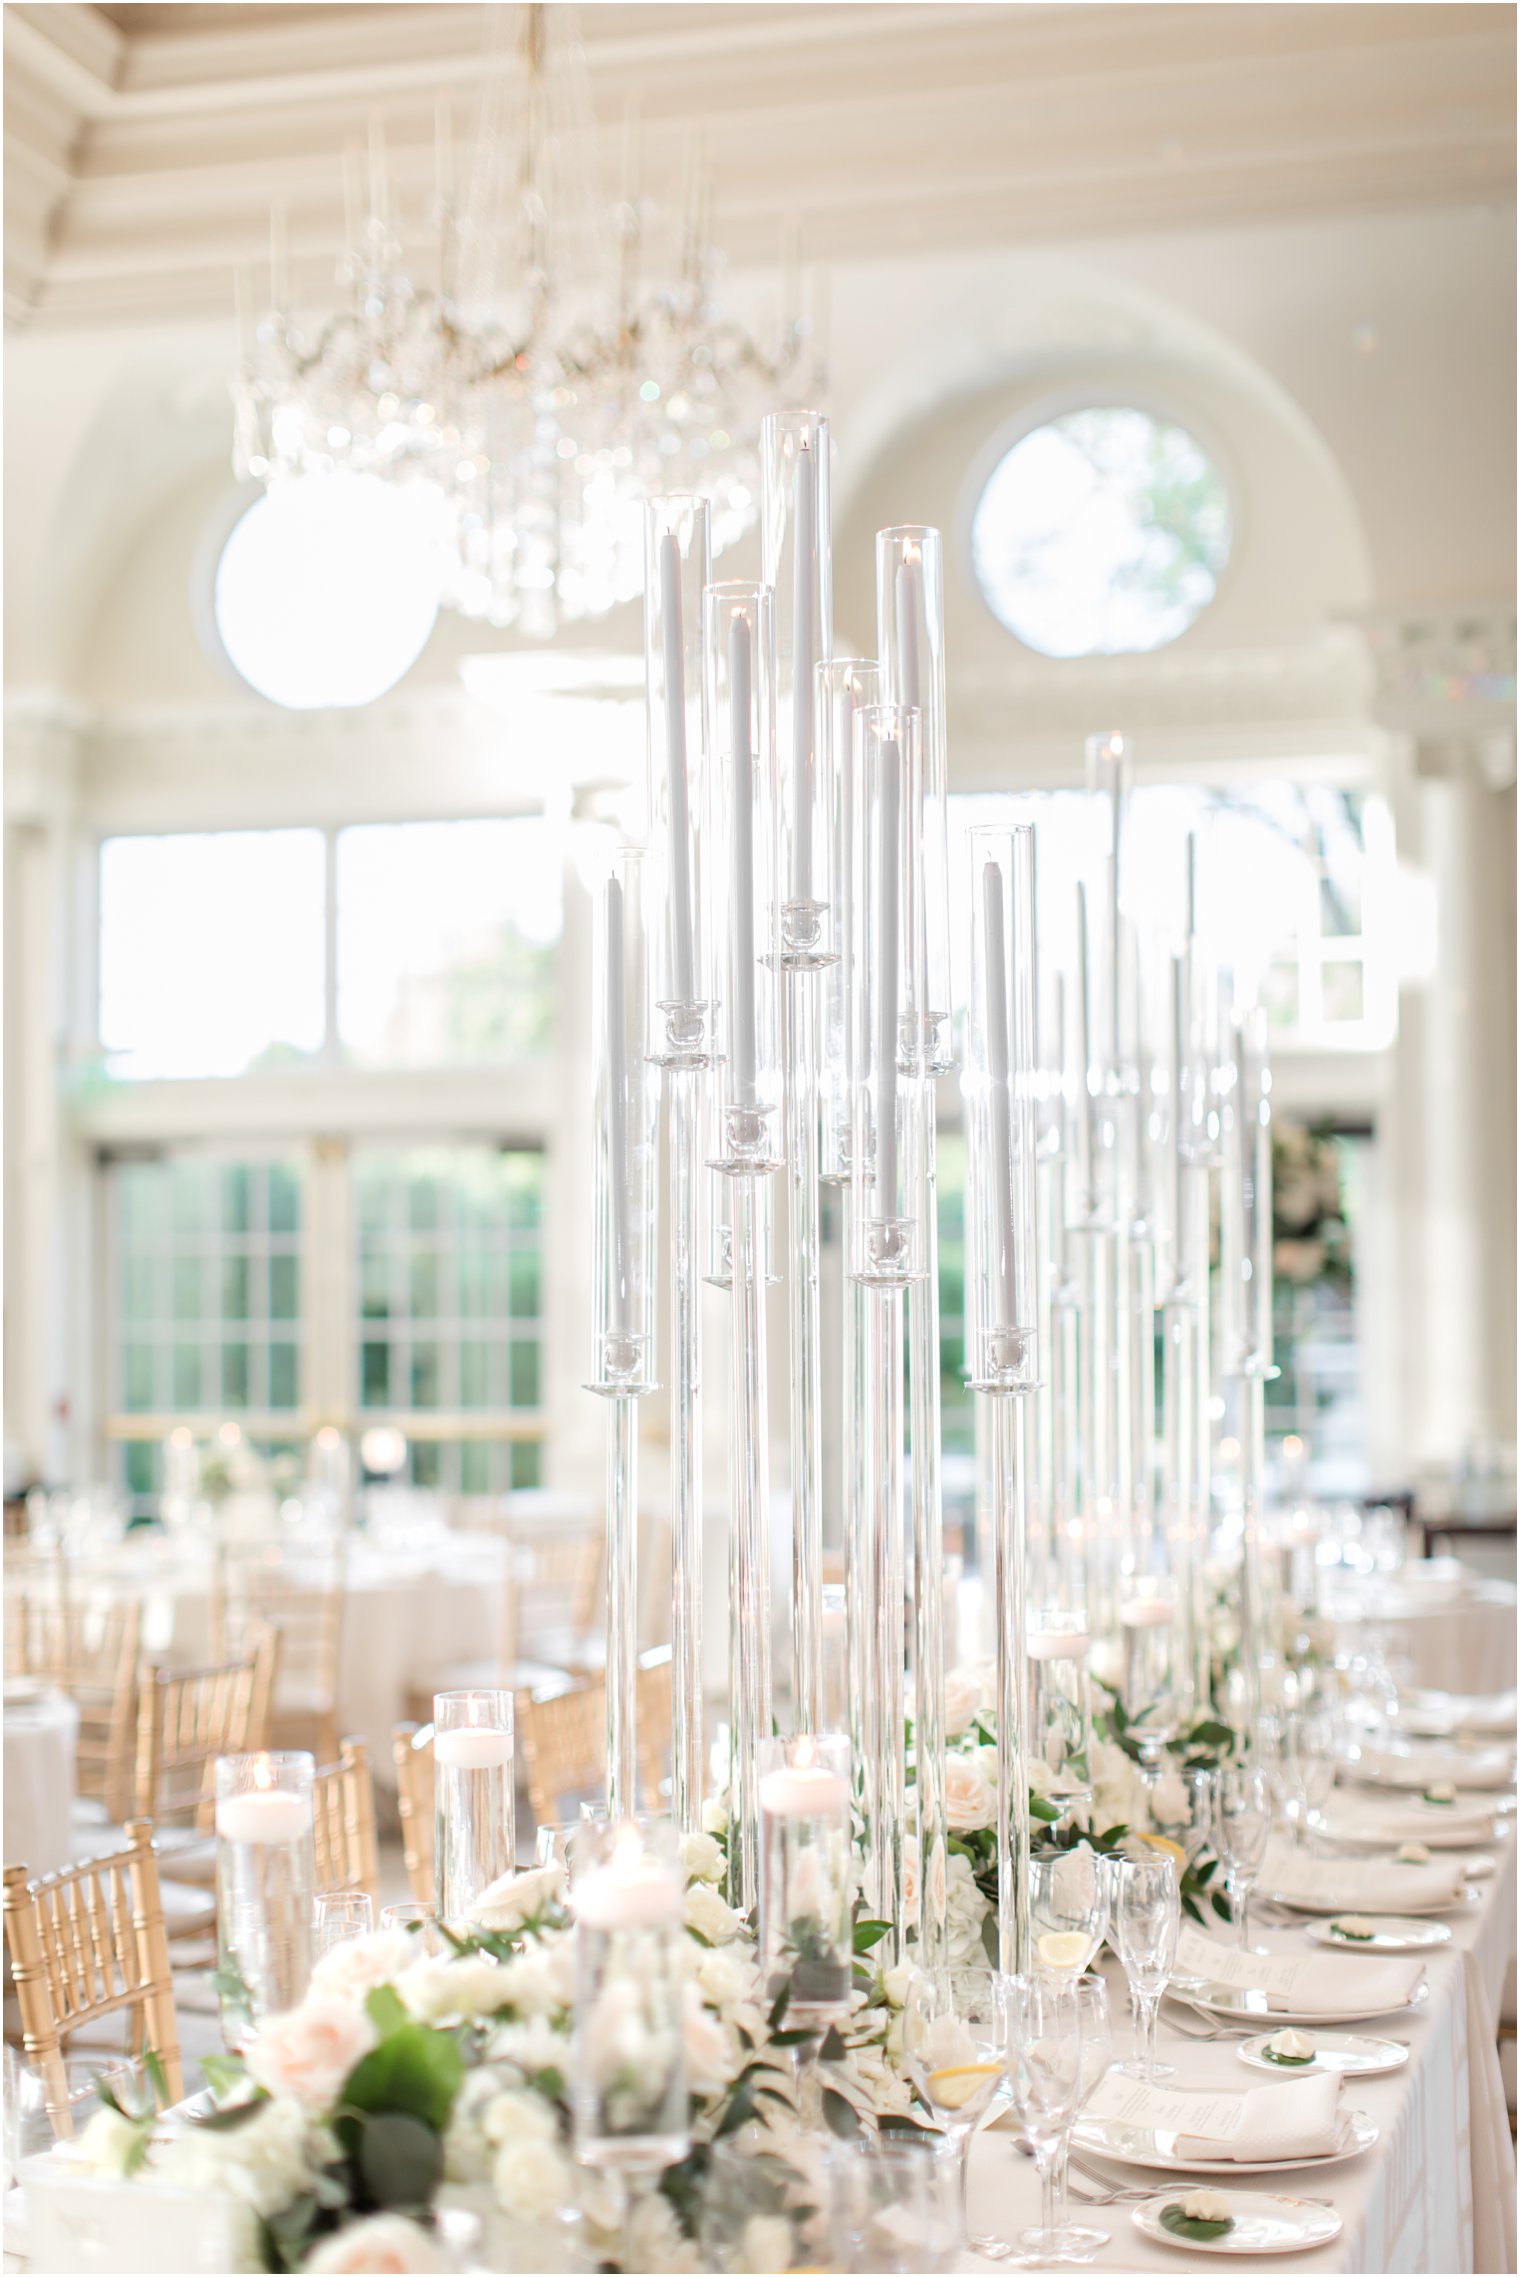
[145, 143]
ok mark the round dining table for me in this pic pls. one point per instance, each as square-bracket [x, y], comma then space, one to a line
[41, 1730]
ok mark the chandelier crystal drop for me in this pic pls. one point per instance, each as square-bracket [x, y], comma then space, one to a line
[542, 358]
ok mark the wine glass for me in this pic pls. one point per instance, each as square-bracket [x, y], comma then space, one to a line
[338, 1916]
[1045, 2071]
[1145, 1910]
[1195, 1834]
[1153, 1682]
[1309, 1751]
[1242, 1825]
[955, 2039]
[1068, 1911]
[1077, 2241]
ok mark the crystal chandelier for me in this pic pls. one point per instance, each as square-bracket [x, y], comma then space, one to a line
[549, 363]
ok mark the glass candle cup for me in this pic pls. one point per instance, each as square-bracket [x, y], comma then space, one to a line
[474, 1767]
[265, 1876]
[629, 2094]
[805, 1856]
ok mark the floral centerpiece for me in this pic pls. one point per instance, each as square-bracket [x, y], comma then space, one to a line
[409, 2092]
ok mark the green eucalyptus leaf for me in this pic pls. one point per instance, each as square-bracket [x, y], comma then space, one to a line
[839, 2115]
[400, 2158]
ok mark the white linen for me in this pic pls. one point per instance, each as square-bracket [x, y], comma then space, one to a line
[1418, 1768]
[1359, 1817]
[1436, 1715]
[1296, 2118]
[40, 1733]
[1317, 1984]
[1359, 1885]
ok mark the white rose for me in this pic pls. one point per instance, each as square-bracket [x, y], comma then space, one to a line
[1169, 1800]
[970, 1803]
[1118, 1789]
[533, 2046]
[266, 2163]
[437, 1992]
[654, 2240]
[505, 1905]
[709, 2056]
[108, 2143]
[702, 1856]
[895, 1983]
[707, 1913]
[309, 2051]
[965, 1911]
[715, 1815]
[516, 2114]
[725, 1979]
[533, 1984]
[963, 1700]
[385, 2242]
[353, 1969]
[1038, 1776]
[766, 2245]
[910, 1875]
[531, 2178]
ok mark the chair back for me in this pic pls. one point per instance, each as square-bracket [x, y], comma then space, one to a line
[90, 1653]
[186, 1718]
[562, 1747]
[652, 1693]
[299, 1594]
[412, 1745]
[86, 1943]
[347, 1847]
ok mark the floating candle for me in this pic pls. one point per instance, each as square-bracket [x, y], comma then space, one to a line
[472, 1748]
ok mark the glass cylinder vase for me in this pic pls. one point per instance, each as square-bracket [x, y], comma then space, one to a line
[265, 1884]
[806, 1862]
[629, 2094]
[474, 1787]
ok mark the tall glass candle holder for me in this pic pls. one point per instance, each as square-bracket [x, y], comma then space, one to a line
[1154, 1680]
[623, 1284]
[676, 572]
[629, 2094]
[1000, 1220]
[846, 685]
[910, 642]
[265, 1884]
[888, 1208]
[474, 1796]
[1060, 1702]
[795, 564]
[739, 649]
[806, 1873]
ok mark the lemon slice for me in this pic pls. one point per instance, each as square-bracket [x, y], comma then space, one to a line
[1062, 1949]
[954, 2085]
[1160, 1842]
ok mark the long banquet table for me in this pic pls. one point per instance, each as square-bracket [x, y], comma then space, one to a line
[1437, 2189]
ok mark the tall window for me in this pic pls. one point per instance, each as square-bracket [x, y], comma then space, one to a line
[206, 1301]
[450, 1332]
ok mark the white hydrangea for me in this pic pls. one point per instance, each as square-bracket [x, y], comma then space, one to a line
[266, 2163]
[437, 1992]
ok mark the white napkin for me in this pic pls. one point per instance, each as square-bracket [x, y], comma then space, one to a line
[1440, 1713]
[1357, 1818]
[1471, 1767]
[1303, 1984]
[1300, 2118]
[1355, 1885]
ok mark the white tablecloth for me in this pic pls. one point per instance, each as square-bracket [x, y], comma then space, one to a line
[40, 1735]
[1463, 1642]
[407, 1614]
[1436, 2191]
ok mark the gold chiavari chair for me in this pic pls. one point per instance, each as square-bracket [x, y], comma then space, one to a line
[412, 1746]
[652, 1694]
[86, 1944]
[187, 1717]
[562, 1748]
[92, 1654]
[347, 1847]
[300, 1596]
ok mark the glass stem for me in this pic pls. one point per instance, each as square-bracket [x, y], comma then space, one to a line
[1047, 2163]
[1063, 2150]
[1245, 1916]
[1145, 2027]
[964, 2155]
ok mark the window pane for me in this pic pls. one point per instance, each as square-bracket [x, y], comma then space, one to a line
[251, 996]
[446, 939]
[187, 1288]
[187, 1376]
[235, 1288]
[137, 1291]
[235, 1375]
[375, 1373]
[137, 1376]
[284, 1276]
[282, 1375]
[524, 1375]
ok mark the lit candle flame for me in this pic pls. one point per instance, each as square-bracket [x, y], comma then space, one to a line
[263, 1773]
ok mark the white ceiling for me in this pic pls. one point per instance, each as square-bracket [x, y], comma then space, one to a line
[144, 144]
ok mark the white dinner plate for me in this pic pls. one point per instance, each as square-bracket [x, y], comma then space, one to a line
[1155, 2146]
[1430, 1832]
[1349, 1905]
[1262, 2224]
[1346, 2052]
[1391, 1933]
[1480, 1868]
[1248, 2001]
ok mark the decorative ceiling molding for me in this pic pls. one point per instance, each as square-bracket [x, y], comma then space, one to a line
[1445, 678]
[146, 144]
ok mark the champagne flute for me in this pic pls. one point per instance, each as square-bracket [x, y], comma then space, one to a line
[955, 2040]
[1045, 2070]
[1145, 1910]
[1310, 1749]
[1077, 2241]
[1068, 1911]
[1196, 1835]
[339, 1916]
[1242, 1825]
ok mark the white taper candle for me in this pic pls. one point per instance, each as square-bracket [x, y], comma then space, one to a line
[682, 953]
[617, 1106]
[995, 1008]
[805, 578]
[742, 1041]
[888, 805]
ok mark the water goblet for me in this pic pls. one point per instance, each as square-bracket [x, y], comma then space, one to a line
[1242, 1825]
[955, 2040]
[1068, 1911]
[338, 1916]
[1145, 1911]
[1045, 2072]
[417, 1920]
[1078, 2242]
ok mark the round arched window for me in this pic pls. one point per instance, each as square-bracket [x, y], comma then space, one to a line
[1101, 533]
[328, 588]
